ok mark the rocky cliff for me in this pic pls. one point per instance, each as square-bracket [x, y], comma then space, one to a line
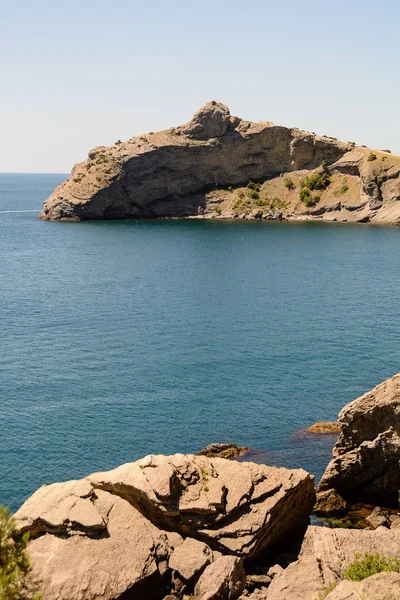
[220, 166]
[366, 457]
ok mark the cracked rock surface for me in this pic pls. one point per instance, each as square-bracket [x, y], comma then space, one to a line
[140, 529]
[236, 508]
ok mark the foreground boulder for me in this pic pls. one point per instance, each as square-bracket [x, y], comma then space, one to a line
[198, 170]
[235, 508]
[92, 545]
[365, 464]
[161, 525]
[324, 556]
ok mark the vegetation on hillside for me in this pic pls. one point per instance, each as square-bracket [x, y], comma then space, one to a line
[14, 560]
[364, 566]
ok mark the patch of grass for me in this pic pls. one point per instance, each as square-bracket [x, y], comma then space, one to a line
[342, 190]
[217, 209]
[14, 559]
[242, 205]
[204, 473]
[370, 564]
[78, 179]
[254, 195]
[144, 139]
[288, 183]
[372, 157]
[329, 588]
[352, 144]
[389, 151]
[230, 188]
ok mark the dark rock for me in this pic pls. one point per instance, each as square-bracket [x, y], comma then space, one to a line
[329, 502]
[223, 451]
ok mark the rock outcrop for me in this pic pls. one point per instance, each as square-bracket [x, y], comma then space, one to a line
[324, 556]
[197, 170]
[180, 524]
[235, 508]
[228, 450]
[365, 464]
[382, 586]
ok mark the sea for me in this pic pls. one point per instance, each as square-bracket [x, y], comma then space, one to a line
[126, 338]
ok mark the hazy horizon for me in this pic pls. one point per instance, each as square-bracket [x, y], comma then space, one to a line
[76, 79]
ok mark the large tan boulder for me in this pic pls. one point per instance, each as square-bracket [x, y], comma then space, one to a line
[154, 526]
[324, 556]
[365, 464]
[236, 508]
[92, 545]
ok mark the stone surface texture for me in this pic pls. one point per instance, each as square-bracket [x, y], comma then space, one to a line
[190, 558]
[155, 526]
[383, 586]
[324, 556]
[234, 507]
[186, 172]
[223, 580]
[365, 464]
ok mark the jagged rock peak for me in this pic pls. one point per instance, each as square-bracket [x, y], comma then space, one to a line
[210, 121]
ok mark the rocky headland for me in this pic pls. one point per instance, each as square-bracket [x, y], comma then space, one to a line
[223, 167]
[208, 528]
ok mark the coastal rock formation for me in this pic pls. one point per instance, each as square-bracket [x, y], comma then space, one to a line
[180, 524]
[223, 451]
[324, 556]
[235, 508]
[324, 427]
[198, 170]
[365, 464]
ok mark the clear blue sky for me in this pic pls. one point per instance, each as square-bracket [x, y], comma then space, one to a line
[78, 74]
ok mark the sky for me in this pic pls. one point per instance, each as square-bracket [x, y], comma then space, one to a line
[75, 75]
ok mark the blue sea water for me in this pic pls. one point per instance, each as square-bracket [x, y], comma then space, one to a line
[120, 339]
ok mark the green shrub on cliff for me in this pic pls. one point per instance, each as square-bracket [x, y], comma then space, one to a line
[316, 181]
[371, 157]
[370, 564]
[14, 560]
[307, 198]
[288, 183]
[254, 194]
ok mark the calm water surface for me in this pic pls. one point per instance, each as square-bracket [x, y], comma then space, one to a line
[119, 339]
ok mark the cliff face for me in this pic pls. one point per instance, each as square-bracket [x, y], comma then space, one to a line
[186, 171]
